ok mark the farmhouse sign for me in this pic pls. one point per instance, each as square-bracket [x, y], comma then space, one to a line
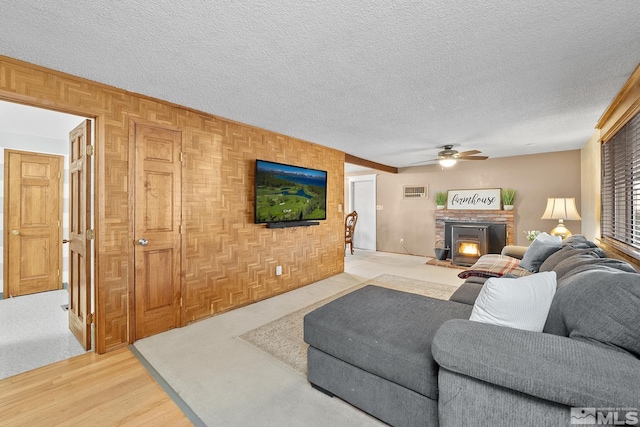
[486, 198]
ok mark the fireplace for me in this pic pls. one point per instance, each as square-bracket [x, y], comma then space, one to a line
[468, 243]
[500, 223]
[497, 234]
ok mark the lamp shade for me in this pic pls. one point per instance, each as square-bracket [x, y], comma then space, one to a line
[564, 208]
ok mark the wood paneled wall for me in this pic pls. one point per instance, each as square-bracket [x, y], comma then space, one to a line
[227, 260]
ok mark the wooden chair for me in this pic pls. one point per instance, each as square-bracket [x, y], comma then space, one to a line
[349, 228]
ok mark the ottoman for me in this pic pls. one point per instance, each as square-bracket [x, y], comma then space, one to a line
[372, 348]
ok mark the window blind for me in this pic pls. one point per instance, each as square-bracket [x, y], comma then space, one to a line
[620, 210]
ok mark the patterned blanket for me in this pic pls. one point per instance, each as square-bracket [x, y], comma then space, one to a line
[495, 266]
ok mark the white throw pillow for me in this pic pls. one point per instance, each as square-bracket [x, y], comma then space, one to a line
[521, 303]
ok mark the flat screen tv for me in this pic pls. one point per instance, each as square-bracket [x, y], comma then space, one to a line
[286, 193]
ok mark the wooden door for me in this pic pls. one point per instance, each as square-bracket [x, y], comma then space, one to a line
[80, 284]
[33, 214]
[157, 229]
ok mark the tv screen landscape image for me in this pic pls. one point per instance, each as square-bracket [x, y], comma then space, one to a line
[289, 193]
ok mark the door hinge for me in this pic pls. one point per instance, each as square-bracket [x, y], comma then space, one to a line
[181, 156]
[58, 272]
[180, 301]
[90, 319]
[180, 229]
[90, 234]
[90, 150]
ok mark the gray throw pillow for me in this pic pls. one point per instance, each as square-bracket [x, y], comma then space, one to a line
[537, 253]
[577, 239]
[568, 251]
[565, 266]
[599, 306]
[602, 264]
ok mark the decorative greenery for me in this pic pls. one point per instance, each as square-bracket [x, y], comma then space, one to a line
[508, 196]
[441, 198]
[531, 234]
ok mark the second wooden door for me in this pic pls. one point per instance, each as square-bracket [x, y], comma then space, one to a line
[157, 229]
[33, 231]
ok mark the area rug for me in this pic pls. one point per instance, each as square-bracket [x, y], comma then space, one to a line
[282, 338]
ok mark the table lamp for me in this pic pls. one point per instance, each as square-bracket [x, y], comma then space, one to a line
[561, 209]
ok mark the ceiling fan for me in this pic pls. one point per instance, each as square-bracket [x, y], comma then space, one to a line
[448, 156]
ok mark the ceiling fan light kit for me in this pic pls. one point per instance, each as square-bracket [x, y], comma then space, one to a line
[447, 163]
[449, 157]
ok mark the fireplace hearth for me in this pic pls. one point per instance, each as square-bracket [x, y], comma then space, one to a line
[468, 243]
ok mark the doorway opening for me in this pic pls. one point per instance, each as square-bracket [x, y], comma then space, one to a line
[362, 198]
[34, 135]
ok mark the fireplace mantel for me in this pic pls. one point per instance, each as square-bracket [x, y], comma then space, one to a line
[460, 215]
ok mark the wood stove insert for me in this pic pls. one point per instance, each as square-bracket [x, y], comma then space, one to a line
[468, 243]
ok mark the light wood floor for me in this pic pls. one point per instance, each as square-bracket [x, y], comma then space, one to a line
[91, 389]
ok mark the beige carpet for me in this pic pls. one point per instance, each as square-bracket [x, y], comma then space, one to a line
[282, 338]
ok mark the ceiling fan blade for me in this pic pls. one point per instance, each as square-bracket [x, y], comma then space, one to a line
[469, 153]
[473, 158]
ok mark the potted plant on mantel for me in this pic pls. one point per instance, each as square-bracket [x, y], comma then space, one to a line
[508, 196]
[441, 199]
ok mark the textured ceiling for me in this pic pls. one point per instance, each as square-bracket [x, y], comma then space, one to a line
[387, 81]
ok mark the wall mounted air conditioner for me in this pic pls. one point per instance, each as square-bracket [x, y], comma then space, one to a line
[415, 192]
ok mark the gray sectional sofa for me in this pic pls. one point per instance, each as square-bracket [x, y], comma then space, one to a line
[411, 360]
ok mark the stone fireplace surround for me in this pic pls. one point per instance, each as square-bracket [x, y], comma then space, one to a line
[443, 216]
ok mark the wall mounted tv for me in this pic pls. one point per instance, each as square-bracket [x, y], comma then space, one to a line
[287, 194]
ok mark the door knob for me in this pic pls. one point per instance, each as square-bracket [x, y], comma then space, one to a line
[143, 242]
[15, 232]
